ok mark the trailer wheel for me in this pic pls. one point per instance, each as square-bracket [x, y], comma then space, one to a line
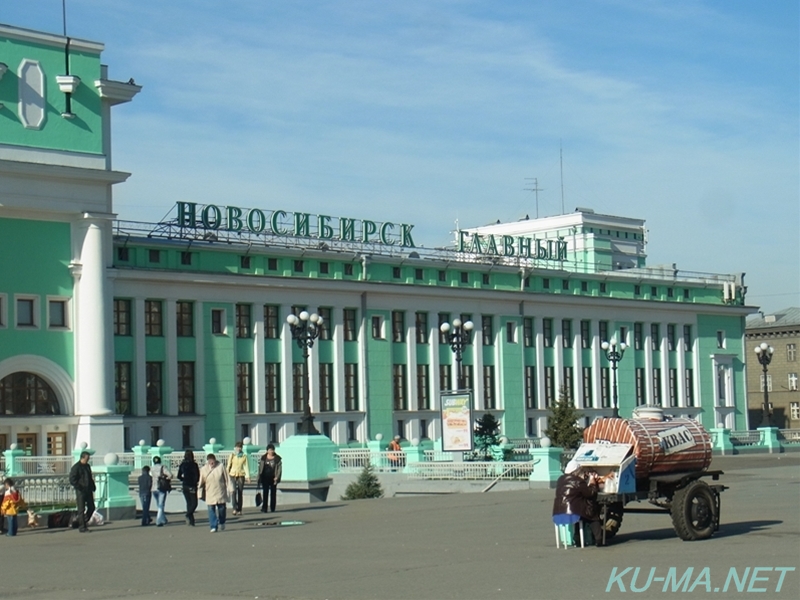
[613, 519]
[694, 511]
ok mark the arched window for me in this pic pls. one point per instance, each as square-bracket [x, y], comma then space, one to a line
[27, 394]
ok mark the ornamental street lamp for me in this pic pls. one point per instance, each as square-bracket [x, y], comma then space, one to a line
[305, 329]
[764, 353]
[614, 354]
[458, 335]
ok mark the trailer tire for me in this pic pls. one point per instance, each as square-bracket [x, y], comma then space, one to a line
[693, 511]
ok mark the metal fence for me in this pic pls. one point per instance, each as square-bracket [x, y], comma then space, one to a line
[745, 438]
[55, 490]
[471, 470]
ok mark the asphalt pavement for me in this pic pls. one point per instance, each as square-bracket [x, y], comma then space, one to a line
[479, 545]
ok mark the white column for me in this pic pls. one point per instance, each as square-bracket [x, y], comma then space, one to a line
[648, 363]
[664, 366]
[577, 370]
[93, 363]
[286, 365]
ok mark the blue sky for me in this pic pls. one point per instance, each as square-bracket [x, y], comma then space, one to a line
[684, 113]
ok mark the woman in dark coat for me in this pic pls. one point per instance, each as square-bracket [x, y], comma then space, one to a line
[189, 474]
[576, 496]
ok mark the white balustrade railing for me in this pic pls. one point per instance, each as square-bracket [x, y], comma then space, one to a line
[471, 470]
[745, 438]
[45, 465]
[789, 436]
[353, 460]
[55, 490]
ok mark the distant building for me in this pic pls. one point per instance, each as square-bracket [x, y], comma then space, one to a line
[781, 330]
[113, 331]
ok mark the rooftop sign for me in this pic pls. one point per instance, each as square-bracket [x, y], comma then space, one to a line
[506, 245]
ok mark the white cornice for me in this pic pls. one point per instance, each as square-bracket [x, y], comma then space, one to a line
[67, 173]
[116, 92]
[46, 156]
[49, 39]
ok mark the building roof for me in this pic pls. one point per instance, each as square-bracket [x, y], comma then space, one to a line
[788, 317]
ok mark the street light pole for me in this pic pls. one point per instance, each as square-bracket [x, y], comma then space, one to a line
[764, 353]
[305, 329]
[614, 354]
[458, 335]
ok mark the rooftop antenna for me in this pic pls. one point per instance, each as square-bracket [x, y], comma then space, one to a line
[64, 15]
[535, 189]
[561, 164]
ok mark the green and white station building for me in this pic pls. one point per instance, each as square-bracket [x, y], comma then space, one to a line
[113, 331]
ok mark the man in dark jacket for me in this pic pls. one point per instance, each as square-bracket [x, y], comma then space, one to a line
[576, 496]
[81, 478]
[189, 474]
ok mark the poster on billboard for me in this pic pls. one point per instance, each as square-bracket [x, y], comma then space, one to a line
[456, 421]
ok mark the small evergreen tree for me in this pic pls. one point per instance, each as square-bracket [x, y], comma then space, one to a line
[366, 486]
[562, 423]
[487, 434]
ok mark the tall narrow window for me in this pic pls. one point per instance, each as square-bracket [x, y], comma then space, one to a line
[566, 333]
[299, 399]
[443, 318]
[569, 382]
[487, 327]
[153, 318]
[489, 397]
[655, 337]
[444, 378]
[511, 332]
[122, 317]
[673, 387]
[271, 322]
[423, 394]
[351, 386]
[272, 381]
[586, 334]
[688, 383]
[217, 321]
[421, 324]
[186, 404]
[605, 386]
[398, 326]
[657, 386]
[547, 332]
[155, 390]
[327, 322]
[687, 338]
[377, 327]
[671, 337]
[243, 321]
[549, 386]
[588, 400]
[641, 395]
[530, 386]
[638, 336]
[350, 328]
[184, 319]
[466, 377]
[602, 329]
[527, 332]
[122, 388]
[326, 387]
[791, 352]
[399, 387]
[720, 339]
[244, 387]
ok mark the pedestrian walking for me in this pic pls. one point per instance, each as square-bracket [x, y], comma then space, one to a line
[269, 476]
[215, 486]
[81, 478]
[145, 494]
[10, 506]
[162, 485]
[239, 472]
[189, 476]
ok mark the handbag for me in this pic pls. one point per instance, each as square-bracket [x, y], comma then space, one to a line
[259, 499]
[164, 484]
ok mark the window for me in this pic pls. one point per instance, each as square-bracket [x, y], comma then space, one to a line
[377, 328]
[637, 290]
[25, 394]
[184, 319]
[155, 390]
[670, 293]
[547, 332]
[584, 286]
[186, 436]
[244, 387]
[273, 432]
[602, 329]
[351, 431]
[399, 387]
[122, 388]
[527, 332]
[687, 338]
[466, 377]
[418, 274]
[487, 330]
[271, 327]
[26, 312]
[791, 352]
[720, 339]
[57, 313]
[401, 426]
[272, 264]
[186, 388]
[641, 395]
[569, 382]
[123, 255]
[443, 318]
[442, 276]
[423, 429]
[565, 284]
[421, 325]
[587, 387]
[549, 386]
[444, 378]
[586, 334]
[686, 293]
[350, 330]
[186, 258]
[769, 382]
[794, 408]
[511, 332]
[348, 269]
[153, 318]
[530, 386]
[655, 337]
[243, 325]
[272, 386]
[531, 427]
[396, 272]
[326, 428]
[527, 282]
[298, 266]
[217, 321]
[566, 333]
[423, 397]
[326, 387]
[657, 386]
[398, 326]
[154, 256]
[623, 335]
[464, 277]
[605, 387]
[489, 398]
[602, 287]
[673, 387]
[327, 322]
[654, 291]
[299, 399]
[546, 283]
[351, 386]
[671, 338]
[688, 386]
[485, 279]
[245, 262]
[155, 434]
[324, 268]
[638, 336]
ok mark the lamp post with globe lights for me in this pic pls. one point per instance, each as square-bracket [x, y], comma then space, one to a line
[305, 329]
[458, 335]
[614, 354]
[764, 353]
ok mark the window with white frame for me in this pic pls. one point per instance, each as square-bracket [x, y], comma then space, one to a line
[769, 382]
[57, 313]
[27, 311]
[720, 339]
[793, 382]
[794, 410]
[791, 352]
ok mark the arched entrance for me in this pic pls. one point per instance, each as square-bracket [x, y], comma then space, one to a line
[23, 393]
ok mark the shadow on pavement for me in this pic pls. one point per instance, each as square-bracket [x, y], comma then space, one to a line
[743, 527]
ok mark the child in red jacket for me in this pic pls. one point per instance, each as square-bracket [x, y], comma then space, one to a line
[12, 501]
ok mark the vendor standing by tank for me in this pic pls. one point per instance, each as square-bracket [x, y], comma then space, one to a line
[576, 496]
